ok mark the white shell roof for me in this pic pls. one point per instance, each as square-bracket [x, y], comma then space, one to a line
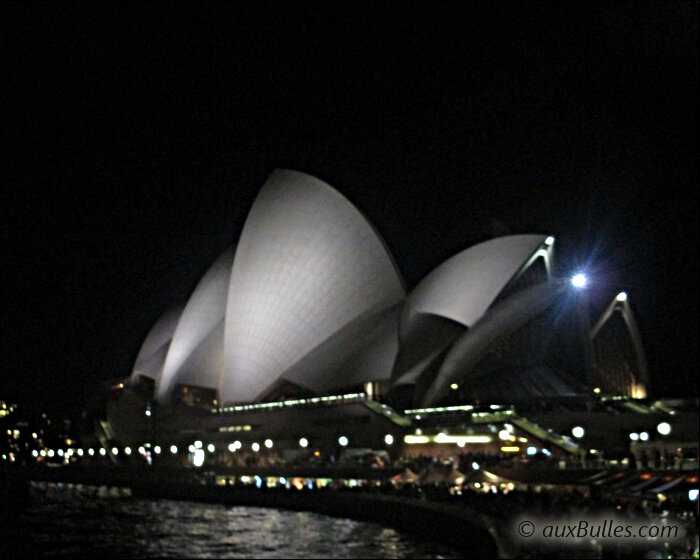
[154, 349]
[362, 351]
[464, 286]
[204, 313]
[506, 316]
[307, 264]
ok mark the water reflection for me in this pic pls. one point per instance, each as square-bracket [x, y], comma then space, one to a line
[67, 520]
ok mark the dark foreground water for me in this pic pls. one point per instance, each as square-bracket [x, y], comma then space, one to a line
[67, 520]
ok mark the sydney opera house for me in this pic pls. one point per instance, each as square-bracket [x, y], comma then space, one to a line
[302, 337]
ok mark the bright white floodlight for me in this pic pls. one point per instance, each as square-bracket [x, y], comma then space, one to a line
[664, 428]
[622, 296]
[579, 280]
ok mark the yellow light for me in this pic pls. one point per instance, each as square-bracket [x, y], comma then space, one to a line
[510, 449]
[639, 391]
[596, 390]
[454, 386]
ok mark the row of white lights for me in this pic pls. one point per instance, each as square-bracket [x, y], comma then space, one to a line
[664, 428]
[293, 402]
[269, 444]
[303, 442]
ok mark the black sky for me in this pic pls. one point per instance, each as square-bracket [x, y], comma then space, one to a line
[136, 136]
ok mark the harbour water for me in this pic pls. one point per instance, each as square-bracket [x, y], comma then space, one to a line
[61, 520]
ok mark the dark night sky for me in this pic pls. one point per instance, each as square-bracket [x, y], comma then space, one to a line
[136, 136]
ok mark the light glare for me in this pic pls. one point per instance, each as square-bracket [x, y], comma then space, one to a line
[579, 280]
[198, 458]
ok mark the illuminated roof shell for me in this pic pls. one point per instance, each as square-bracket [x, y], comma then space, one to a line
[505, 317]
[154, 349]
[195, 356]
[308, 263]
[464, 286]
[362, 351]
